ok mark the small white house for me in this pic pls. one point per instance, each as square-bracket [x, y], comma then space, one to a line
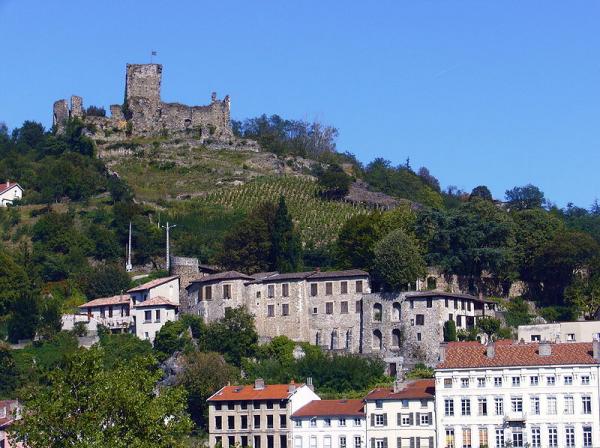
[9, 192]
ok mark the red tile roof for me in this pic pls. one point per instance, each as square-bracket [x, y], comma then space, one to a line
[227, 275]
[155, 301]
[104, 301]
[464, 355]
[249, 393]
[152, 284]
[317, 408]
[415, 390]
[5, 186]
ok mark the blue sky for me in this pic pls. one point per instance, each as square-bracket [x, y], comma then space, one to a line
[500, 93]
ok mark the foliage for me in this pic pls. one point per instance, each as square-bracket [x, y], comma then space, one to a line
[469, 334]
[523, 198]
[50, 317]
[489, 326]
[24, 317]
[105, 280]
[95, 111]
[180, 336]
[583, 295]
[449, 331]
[481, 192]
[86, 405]
[123, 348]
[234, 336]
[286, 247]
[334, 181]
[8, 372]
[201, 376]
[517, 313]
[398, 260]
[357, 239]
[419, 371]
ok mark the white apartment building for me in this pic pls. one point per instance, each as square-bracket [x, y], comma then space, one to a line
[518, 394]
[142, 311]
[402, 416]
[583, 331]
[330, 424]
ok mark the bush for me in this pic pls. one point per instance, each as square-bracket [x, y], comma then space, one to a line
[449, 331]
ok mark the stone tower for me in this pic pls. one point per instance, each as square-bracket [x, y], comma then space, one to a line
[143, 81]
[187, 269]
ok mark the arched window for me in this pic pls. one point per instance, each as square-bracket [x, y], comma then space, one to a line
[377, 340]
[431, 283]
[348, 339]
[334, 340]
[396, 311]
[396, 337]
[318, 338]
[377, 312]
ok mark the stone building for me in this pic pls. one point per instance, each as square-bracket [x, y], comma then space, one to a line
[143, 113]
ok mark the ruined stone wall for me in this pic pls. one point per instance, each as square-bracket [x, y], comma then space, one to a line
[487, 285]
[143, 81]
[214, 309]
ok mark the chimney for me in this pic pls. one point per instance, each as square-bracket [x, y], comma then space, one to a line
[259, 384]
[7, 183]
[491, 350]
[545, 349]
[596, 349]
[309, 383]
[443, 351]
[292, 387]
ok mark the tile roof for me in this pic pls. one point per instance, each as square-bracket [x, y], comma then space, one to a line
[317, 408]
[288, 276]
[228, 275]
[5, 186]
[155, 301]
[10, 407]
[417, 390]
[447, 294]
[152, 284]
[463, 355]
[339, 274]
[249, 393]
[104, 301]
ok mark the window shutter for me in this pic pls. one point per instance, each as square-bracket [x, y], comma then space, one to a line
[430, 417]
[431, 442]
[411, 419]
[385, 445]
[372, 419]
[385, 419]
[399, 442]
[412, 442]
[373, 443]
[398, 420]
[418, 439]
[418, 419]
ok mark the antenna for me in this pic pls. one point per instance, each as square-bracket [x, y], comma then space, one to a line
[129, 266]
[168, 227]
[152, 54]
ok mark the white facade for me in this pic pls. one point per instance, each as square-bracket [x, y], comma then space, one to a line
[585, 331]
[167, 287]
[149, 319]
[537, 406]
[9, 192]
[331, 431]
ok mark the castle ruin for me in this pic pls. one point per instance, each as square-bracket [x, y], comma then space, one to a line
[143, 113]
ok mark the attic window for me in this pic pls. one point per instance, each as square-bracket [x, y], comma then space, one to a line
[238, 389]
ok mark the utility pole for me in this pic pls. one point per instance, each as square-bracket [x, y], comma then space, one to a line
[168, 227]
[129, 266]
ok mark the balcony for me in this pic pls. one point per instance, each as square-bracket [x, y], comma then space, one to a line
[115, 322]
[515, 417]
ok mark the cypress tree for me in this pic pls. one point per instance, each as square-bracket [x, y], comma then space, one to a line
[286, 248]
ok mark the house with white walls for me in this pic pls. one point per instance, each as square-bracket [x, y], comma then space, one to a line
[10, 192]
[330, 424]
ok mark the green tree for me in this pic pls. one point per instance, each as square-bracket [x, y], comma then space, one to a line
[583, 295]
[489, 326]
[123, 348]
[398, 260]
[234, 335]
[8, 372]
[286, 246]
[527, 197]
[334, 181]
[181, 335]
[105, 280]
[481, 192]
[14, 281]
[357, 239]
[50, 317]
[87, 406]
[24, 317]
[202, 375]
[449, 331]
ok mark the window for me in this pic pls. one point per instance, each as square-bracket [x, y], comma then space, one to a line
[425, 419]
[244, 422]
[359, 286]
[327, 423]
[342, 442]
[448, 407]
[285, 309]
[343, 307]
[231, 406]
[429, 303]
[244, 405]
[313, 442]
[378, 404]
[587, 436]
[464, 382]
[148, 316]
[517, 438]
[328, 288]
[482, 406]
[396, 337]
[282, 421]
[270, 310]
[466, 433]
[498, 381]
[568, 380]
[405, 419]
[357, 422]
[535, 405]
[483, 436]
[499, 437]
[516, 404]
[499, 406]
[256, 421]
[297, 442]
[327, 442]
[285, 290]
[102, 312]
[110, 311]
[342, 422]
[405, 403]
[516, 381]
[455, 304]
[298, 423]
[446, 302]
[570, 437]
[412, 304]
[418, 336]
[208, 292]
[569, 405]
[358, 306]
[218, 441]
[420, 319]
[256, 405]
[231, 422]
[357, 442]
[450, 438]
[314, 289]
[329, 308]
[447, 383]
[344, 287]
[585, 380]
[377, 312]
[380, 419]
[218, 422]
[551, 381]
[570, 337]
[315, 310]
[377, 340]
[480, 382]
[536, 338]
[534, 380]
[536, 439]
[227, 291]
[552, 437]
[313, 422]
[552, 405]
[270, 291]
[458, 321]
[586, 401]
